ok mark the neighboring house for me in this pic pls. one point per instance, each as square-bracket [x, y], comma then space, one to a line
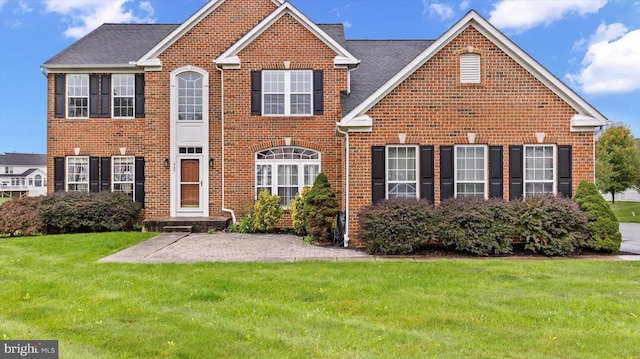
[193, 119]
[23, 174]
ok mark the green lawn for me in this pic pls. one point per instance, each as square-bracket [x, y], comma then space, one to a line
[626, 211]
[4, 199]
[53, 288]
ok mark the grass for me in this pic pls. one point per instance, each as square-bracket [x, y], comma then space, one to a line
[4, 199]
[53, 288]
[625, 211]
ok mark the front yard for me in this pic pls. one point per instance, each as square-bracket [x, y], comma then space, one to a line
[52, 288]
[626, 211]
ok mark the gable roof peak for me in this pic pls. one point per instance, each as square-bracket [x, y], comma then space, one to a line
[230, 59]
[586, 119]
[150, 58]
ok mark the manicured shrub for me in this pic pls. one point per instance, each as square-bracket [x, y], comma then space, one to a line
[554, 226]
[298, 213]
[397, 226]
[321, 209]
[476, 225]
[20, 217]
[75, 212]
[604, 229]
[266, 212]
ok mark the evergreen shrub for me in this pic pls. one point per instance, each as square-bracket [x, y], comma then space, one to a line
[267, 212]
[553, 226]
[604, 229]
[475, 225]
[321, 209]
[397, 226]
[75, 212]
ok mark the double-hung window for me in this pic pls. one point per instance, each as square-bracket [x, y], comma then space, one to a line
[123, 168]
[402, 172]
[287, 92]
[470, 171]
[123, 96]
[286, 170]
[77, 96]
[78, 174]
[539, 169]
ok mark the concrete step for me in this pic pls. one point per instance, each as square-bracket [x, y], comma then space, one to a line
[171, 229]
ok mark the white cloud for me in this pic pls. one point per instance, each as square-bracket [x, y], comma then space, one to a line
[612, 61]
[443, 11]
[464, 5]
[521, 15]
[23, 8]
[83, 16]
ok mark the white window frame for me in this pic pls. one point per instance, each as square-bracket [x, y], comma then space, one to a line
[77, 91]
[286, 89]
[551, 181]
[470, 68]
[390, 181]
[80, 175]
[456, 166]
[190, 104]
[38, 181]
[121, 176]
[123, 90]
[278, 157]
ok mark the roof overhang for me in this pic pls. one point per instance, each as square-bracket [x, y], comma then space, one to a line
[584, 110]
[84, 68]
[230, 59]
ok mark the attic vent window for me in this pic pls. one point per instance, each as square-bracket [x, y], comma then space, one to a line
[470, 68]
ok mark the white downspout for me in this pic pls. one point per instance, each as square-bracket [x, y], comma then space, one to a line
[346, 202]
[233, 214]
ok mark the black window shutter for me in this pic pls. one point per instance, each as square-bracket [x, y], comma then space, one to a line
[94, 95]
[564, 171]
[495, 172]
[446, 172]
[139, 83]
[256, 92]
[318, 92]
[105, 96]
[427, 174]
[105, 174]
[516, 183]
[94, 174]
[58, 102]
[378, 173]
[58, 174]
[139, 181]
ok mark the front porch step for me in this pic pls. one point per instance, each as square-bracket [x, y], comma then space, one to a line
[171, 229]
[180, 224]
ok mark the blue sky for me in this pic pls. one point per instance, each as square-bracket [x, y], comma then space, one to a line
[592, 45]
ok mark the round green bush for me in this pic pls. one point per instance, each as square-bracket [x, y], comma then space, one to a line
[603, 226]
[397, 226]
[475, 225]
[554, 226]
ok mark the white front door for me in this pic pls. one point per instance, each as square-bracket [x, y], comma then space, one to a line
[190, 187]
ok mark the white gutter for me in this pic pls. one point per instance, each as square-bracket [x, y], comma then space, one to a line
[346, 192]
[233, 214]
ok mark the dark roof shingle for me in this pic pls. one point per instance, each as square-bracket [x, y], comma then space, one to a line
[113, 44]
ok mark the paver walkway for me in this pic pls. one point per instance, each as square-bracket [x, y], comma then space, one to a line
[237, 247]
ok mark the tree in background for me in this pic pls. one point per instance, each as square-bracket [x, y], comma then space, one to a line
[617, 161]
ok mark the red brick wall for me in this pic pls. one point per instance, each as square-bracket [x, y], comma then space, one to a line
[286, 40]
[150, 137]
[433, 108]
